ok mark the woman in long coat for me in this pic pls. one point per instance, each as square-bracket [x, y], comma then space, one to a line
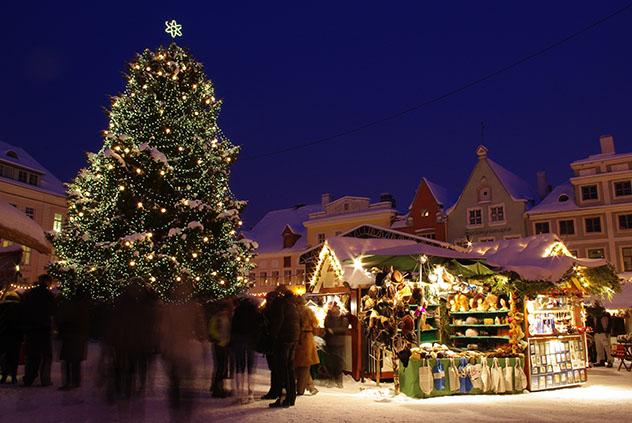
[306, 354]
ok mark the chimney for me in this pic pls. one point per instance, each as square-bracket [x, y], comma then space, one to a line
[607, 144]
[543, 187]
[325, 199]
[387, 196]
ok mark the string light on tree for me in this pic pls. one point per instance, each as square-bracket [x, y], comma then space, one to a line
[160, 206]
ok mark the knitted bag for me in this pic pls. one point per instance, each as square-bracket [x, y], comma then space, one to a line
[508, 373]
[464, 377]
[498, 379]
[521, 378]
[438, 373]
[425, 378]
[453, 377]
[486, 376]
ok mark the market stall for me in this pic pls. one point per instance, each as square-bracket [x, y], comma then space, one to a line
[335, 278]
[516, 303]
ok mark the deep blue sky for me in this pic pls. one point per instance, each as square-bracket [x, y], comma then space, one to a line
[293, 72]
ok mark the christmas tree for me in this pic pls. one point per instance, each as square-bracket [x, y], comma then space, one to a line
[155, 201]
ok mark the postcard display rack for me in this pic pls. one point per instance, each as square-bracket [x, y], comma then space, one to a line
[557, 354]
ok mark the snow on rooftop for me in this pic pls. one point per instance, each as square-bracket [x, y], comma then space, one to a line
[19, 157]
[442, 195]
[516, 186]
[562, 198]
[531, 258]
[268, 231]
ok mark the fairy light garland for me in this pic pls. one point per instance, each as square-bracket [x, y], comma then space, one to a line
[326, 253]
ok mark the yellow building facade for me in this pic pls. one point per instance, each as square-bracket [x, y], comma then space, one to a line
[32, 189]
[592, 212]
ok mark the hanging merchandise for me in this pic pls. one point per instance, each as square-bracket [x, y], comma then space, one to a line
[520, 377]
[453, 377]
[508, 372]
[425, 378]
[486, 376]
[464, 377]
[438, 373]
[475, 371]
[498, 379]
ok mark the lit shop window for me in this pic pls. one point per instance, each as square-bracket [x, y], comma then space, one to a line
[57, 222]
[26, 255]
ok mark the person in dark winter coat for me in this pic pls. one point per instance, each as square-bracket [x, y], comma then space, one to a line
[219, 334]
[243, 341]
[38, 309]
[335, 330]
[72, 320]
[129, 342]
[10, 336]
[265, 346]
[285, 331]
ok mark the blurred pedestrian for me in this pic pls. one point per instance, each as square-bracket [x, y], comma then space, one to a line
[10, 336]
[243, 340]
[219, 334]
[73, 322]
[285, 331]
[181, 332]
[335, 332]
[129, 341]
[38, 308]
[266, 347]
[306, 354]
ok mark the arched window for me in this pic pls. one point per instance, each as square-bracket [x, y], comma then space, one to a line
[12, 154]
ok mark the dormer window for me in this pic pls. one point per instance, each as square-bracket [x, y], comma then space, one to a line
[12, 154]
[562, 198]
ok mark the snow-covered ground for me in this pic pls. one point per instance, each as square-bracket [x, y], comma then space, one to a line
[607, 397]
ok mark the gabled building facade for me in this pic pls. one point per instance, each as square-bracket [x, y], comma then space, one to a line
[32, 189]
[426, 215]
[491, 207]
[592, 211]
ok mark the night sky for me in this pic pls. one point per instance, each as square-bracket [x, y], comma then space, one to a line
[295, 72]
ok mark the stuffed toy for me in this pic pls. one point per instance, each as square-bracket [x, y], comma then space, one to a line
[492, 302]
[453, 305]
[463, 303]
[480, 305]
[503, 304]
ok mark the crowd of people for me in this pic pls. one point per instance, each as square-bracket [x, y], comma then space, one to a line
[139, 328]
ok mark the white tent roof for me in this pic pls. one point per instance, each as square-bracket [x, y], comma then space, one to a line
[621, 300]
[347, 248]
[15, 226]
[424, 249]
[531, 257]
